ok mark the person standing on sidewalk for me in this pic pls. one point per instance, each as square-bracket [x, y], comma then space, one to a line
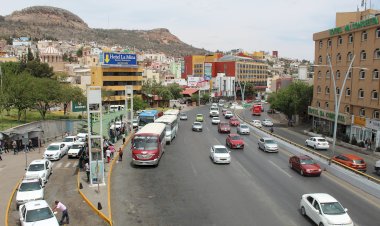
[123, 137]
[30, 145]
[63, 209]
[120, 154]
[14, 145]
[108, 155]
[87, 168]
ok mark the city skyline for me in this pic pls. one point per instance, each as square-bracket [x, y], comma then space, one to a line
[216, 25]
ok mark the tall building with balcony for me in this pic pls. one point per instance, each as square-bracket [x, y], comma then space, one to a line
[356, 37]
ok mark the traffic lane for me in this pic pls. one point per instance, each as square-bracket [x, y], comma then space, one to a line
[295, 185]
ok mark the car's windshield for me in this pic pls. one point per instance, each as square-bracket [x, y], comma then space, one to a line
[38, 214]
[36, 167]
[221, 150]
[30, 186]
[243, 126]
[270, 142]
[332, 208]
[182, 114]
[68, 139]
[145, 143]
[223, 124]
[197, 124]
[199, 115]
[216, 118]
[53, 148]
[235, 138]
[307, 161]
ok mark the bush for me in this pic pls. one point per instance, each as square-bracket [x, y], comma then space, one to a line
[361, 144]
[354, 141]
[79, 116]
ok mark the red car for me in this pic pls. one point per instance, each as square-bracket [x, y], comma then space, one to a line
[352, 161]
[223, 127]
[234, 141]
[234, 122]
[305, 165]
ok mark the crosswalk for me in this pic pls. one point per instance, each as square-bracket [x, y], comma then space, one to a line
[57, 165]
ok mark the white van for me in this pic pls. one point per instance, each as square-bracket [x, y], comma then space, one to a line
[114, 108]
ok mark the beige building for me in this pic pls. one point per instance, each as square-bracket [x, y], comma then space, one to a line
[356, 36]
[53, 57]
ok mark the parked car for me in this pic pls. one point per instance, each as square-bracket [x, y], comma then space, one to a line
[215, 120]
[324, 210]
[76, 150]
[55, 151]
[37, 213]
[267, 144]
[352, 161]
[228, 115]
[28, 190]
[305, 165]
[197, 126]
[199, 118]
[257, 123]
[40, 168]
[234, 141]
[224, 127]
[68, 141]
[135, 123]
[317, 143]
[267, 122]
[243, 129]
[234, 121]
[182, 116]
[377, 167]
[220, 154]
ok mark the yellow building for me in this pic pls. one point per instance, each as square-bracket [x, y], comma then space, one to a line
[113, 77]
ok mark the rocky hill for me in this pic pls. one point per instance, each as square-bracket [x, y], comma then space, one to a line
[41, 22]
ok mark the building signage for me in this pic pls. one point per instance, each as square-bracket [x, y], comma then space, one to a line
[359, 121]
[329, 115]
[119, 58]
[354, 26]
[373, 124]
[208, 68]
[78, 107]
[193, 81]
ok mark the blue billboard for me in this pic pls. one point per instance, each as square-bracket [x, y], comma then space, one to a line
[119, 58]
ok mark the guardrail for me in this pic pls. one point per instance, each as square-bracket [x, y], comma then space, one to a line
[369, 177]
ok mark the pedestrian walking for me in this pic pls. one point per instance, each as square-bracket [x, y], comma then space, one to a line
[87, 168]
[112, 149]
[14, 145]
[63, 209]
[123, 138]
[271, 129]
[30, 145]
[120, 154]
[108, 155]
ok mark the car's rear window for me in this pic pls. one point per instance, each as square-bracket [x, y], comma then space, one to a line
[321, 140]
[358, 161]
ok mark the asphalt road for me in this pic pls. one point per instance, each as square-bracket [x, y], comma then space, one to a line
[62, 186]
[257, 188]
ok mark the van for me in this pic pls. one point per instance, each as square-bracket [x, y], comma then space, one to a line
[114, 108]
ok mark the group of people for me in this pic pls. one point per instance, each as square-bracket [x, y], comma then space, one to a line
[15, 146]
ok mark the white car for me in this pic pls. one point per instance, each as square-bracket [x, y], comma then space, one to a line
[267, 122]
[76, 150]
[220, 154]
[377, 167]
[243, 129]
[228, 115]
[317, 143]
[82, 135]
[182, 116]
[267, 144]
[29, 190]
[55, 151]
[36, 213]
[40, 168]
[68, 141]
[324, 210]
[257, 123]
[215, 120]
[135, 123]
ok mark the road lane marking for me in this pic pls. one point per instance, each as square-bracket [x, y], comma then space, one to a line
[279, 168]
[67, 164]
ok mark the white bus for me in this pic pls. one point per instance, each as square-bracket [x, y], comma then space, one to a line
[172, 112]
[171, 122]
[114, 108]
[148, 144]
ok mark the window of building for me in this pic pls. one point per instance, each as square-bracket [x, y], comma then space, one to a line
[328, 74]
[376, 54]
[347, 109]
[320, 44]
[337, 74]
[362, 112]
[326, 104]
[319, 89]
[338, 57]
[327, 90]
[363, 55]
[362, 74]
[349, 75]
[364, 36]
[337, 91]
[378, 33]
[348, 92]
[318, 104]
[374, 94]
[340, 40]
[350, 38]
[329, 43]
[320, 59]
[349, 56]
[375, 74]
[376, 114]
[361, 93]
[319, 74]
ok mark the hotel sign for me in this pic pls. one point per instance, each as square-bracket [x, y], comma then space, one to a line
[354, 26]
[329, 115]
[118, 58]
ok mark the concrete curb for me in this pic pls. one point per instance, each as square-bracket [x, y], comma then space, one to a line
[10, 202]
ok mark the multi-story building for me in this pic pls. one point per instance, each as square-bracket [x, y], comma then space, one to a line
[356, 40]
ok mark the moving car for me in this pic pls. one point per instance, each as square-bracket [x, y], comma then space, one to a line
[317, 143]
[234, 141]
[199, 118]
[267, 144]
[76, 150]
[224, 127]
[267, 122]
[214, 111]
[243, 129]
[55, 151]
[257, 123]
[40, 168]
[352, 161]
[377, 167]
[30, 189]
[37, 213]
[305, 165]
[215, 120]
[234, 121]
[135, 123]
[197, 126]
[228, 115]
[68, 141]
[220, 154]
[324, 210]
[182, 116]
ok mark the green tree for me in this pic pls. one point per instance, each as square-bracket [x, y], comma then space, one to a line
[39, 70]
[205, 97]
[70, 93]
[139, 103]
[30, 55]
[176, 90]
[46, 92]
[80, 52]
[166, 95]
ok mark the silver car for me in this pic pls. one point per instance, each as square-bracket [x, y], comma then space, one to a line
[182, 116]
[243, 129]
[267, 144]
[197, 126]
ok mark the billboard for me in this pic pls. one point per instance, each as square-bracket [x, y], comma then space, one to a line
[193, 81]
[118, 58]
[78, 107]
[208, 68]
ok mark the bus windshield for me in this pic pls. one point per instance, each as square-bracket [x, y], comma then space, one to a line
[145, 120]
[147, 143]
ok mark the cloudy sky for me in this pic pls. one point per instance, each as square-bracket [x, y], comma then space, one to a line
[252, 25]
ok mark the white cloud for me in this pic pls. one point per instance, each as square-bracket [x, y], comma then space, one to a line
[283, 25]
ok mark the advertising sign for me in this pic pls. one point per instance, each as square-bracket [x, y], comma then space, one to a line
[119, 58]
[78, 107]
[192, 81]
[97, 170]
[329, 115]
[208, 69]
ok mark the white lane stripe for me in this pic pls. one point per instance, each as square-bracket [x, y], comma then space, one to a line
[67, 164]
[279, 168]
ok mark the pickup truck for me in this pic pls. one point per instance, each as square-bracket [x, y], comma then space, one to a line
[377, 167]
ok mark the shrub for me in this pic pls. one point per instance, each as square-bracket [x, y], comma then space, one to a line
[361, 144]
[79, 116]
[354, 141]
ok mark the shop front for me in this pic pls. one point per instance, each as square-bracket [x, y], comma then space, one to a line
[374, 126]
